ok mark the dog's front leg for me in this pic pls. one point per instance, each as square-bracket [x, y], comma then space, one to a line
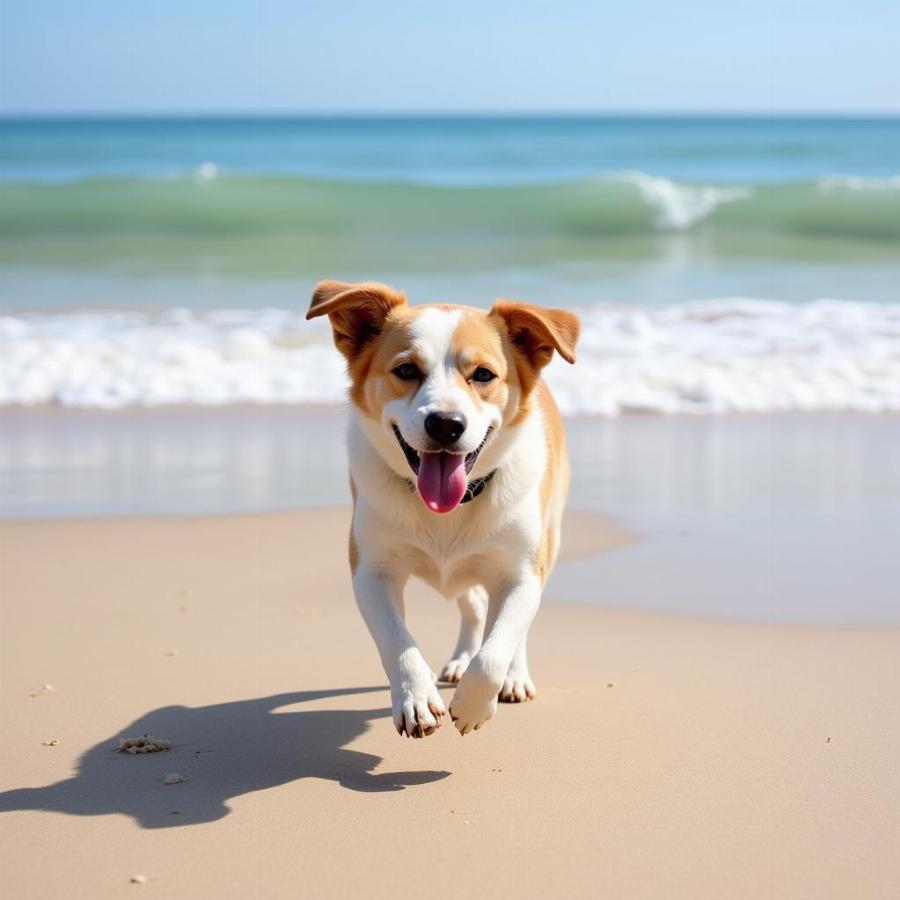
[512, 607]
[416, 705]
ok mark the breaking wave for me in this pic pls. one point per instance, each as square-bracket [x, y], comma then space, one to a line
[716, 356]
[209, 202]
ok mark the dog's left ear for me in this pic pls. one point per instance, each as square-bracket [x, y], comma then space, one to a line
[537, 332]
[357, 311]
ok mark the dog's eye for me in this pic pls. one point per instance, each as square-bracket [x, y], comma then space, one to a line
[483, 375]
[407, 372]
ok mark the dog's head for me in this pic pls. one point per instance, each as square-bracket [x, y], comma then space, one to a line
[437, 383]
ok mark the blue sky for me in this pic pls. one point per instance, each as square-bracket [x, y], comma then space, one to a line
[213, 56]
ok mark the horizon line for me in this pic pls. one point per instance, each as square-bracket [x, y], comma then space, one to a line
[448, 114]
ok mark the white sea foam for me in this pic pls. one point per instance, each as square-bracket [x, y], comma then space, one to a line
[735, 355]
[206, 171]
[858, 183]
[716, 356]
[680, 206]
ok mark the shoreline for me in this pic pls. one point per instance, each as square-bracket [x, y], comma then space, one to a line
[780, 518]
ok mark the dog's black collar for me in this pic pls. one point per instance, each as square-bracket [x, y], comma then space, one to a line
[473, 489]
[476, 486]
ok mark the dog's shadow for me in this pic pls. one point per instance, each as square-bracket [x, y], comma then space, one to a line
[222, 751]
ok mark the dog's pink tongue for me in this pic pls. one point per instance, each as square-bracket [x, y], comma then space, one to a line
[442, 480]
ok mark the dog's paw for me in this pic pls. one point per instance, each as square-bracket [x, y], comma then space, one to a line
[517, 689]
[416, 704]
[453, 671]
[474, 701]
[418, 713]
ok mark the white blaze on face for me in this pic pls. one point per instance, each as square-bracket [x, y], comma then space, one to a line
[435, 344]
[440, 391]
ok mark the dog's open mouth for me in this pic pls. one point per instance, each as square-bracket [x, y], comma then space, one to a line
[442, 478]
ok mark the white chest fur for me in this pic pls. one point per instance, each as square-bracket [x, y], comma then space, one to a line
[479, 541]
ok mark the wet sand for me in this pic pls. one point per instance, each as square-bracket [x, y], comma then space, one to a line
[775, 518]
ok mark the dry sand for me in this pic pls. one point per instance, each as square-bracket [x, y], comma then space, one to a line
[664, 757]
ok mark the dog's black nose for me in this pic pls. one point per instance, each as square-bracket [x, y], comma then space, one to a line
[445, 428]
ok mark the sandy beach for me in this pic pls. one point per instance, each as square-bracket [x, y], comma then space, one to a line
[664, 755]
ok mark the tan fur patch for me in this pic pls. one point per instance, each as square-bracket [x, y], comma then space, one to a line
[521, 372]
[555, 482]
[477, 342]
[372, 384]
[534, 333]
[353, 549]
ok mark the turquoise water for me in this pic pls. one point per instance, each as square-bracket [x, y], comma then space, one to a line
[635, 210]
[454, 150]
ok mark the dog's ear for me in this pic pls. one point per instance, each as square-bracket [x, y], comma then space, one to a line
[536, 332]
[357, 311]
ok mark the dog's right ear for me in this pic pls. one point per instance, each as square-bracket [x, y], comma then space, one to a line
[357, 311]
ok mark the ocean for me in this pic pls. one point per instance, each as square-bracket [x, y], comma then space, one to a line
[719, 264]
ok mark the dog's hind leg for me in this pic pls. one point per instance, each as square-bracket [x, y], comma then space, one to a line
[473, 605]
[518, 686]
[513, 604]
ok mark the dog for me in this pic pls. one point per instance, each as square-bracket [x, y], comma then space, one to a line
[459, 476]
